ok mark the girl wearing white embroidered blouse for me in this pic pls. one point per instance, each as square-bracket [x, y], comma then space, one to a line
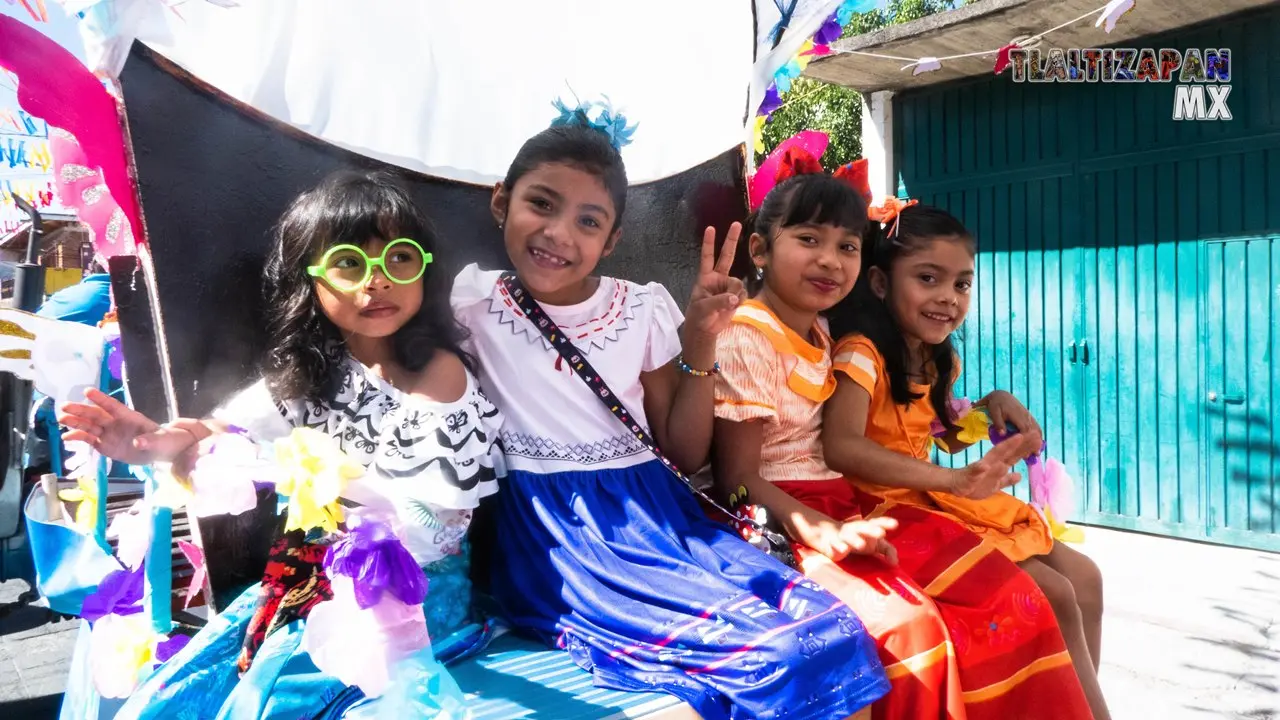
[602, 551]
[362, 347]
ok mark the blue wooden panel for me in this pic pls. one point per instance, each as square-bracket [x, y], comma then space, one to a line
[1164, 325]
[517, 678]
[1095, 213]
[1190, 352]
[1240, 380]
[1146, 349]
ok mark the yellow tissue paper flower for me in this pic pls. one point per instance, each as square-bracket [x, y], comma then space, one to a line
[1062, 532]
[801, 58]
[315, 473]
[120, 648]
[759, 133]
[974, 427]
[85, 493]
[171, 492]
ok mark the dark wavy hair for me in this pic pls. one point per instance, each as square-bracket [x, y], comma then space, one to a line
[346, 208]
[816, 199]
[863, 313]
[580, 146]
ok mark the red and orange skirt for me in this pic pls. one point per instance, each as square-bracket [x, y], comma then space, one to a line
[963, 633]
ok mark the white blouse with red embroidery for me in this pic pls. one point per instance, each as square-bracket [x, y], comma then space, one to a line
[554, 423]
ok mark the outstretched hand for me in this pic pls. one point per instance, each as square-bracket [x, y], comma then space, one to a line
[862, 537]
[126, 435]
[994, 471]
[716, 295]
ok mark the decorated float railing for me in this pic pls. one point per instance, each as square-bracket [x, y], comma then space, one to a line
[374, 619]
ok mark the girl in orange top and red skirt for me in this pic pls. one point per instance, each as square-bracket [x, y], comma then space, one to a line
[895, 367]
[962, 632]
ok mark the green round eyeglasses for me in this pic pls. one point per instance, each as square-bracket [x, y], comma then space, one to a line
[348, 267]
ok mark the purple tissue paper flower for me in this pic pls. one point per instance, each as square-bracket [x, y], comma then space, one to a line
[771, 102]
[115, 358]
[372, 556]
[829, 32]
[171, 647]
[119, 593]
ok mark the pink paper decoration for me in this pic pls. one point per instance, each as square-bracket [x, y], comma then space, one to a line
[57, 87]
[812, 141]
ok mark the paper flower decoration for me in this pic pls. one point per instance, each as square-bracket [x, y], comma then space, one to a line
[120, 647]
[974, 427]
[223, 481]
[924, 65]
[119, 593]
[85, 493]
[314, 473]
[1052, 493]
[195, 556]
[1112, 13]
[115, 358]
[166, 649]
[772, 101]
[373, 557]
[132, 531]
[1002, 57]
[1062, 532]
[361, 646]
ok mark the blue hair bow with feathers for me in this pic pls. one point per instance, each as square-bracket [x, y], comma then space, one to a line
[598, 116]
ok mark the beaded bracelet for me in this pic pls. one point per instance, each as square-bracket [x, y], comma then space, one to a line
[685, 368]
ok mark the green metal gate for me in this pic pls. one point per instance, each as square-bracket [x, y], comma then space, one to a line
[1128, 282]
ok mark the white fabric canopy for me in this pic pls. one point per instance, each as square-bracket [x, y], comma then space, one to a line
[453, 88]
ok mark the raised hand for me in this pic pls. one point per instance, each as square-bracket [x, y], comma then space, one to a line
[994, 471]
[716, 295]
[859, 537]
[124, 434]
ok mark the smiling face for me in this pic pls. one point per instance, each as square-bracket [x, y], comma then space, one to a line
[557, 224]
[928, 291]
[809, 267]
[378, 307]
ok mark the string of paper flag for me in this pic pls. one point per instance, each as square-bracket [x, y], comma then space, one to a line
[1107, 16]
[820, 46]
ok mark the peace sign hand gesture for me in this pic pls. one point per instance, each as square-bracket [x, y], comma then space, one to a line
[715, 296]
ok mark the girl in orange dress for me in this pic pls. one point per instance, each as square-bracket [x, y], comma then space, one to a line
[895, 366]
[775, 374]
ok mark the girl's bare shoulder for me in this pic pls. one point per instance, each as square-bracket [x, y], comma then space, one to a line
[445, 379]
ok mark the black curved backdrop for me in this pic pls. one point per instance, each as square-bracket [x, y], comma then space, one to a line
[214, 176]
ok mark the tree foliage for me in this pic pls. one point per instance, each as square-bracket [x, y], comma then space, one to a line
[833, 109]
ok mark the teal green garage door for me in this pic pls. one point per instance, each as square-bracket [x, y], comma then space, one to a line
[1128, 279]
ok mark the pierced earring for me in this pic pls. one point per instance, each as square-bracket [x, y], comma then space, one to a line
[759, 273]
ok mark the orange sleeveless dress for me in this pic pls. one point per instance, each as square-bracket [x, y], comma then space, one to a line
[962, 632]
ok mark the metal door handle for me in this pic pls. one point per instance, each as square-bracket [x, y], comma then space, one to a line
[1073, 352]
[1084, 347]
[1228, 399]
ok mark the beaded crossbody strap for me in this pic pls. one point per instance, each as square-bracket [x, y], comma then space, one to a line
[571, 354]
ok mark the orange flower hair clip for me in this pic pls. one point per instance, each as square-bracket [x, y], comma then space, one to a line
[889, 211]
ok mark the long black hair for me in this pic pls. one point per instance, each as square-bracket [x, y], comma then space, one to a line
[346, 208]
[813, 198]
[864, 313]
[579, 145]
